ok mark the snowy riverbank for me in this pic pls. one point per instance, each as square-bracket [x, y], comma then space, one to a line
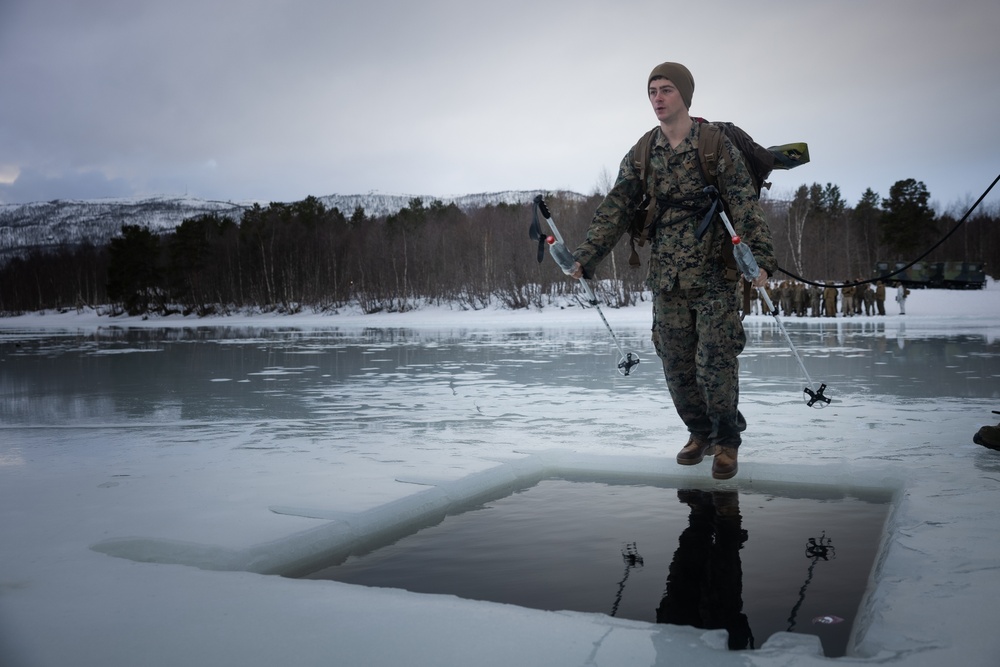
[922, 307]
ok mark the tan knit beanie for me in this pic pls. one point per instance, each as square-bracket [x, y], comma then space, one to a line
[679, 76]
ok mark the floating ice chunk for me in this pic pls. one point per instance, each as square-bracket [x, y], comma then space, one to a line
[827, 620]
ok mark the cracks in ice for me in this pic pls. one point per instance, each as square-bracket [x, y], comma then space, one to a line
[592, 658]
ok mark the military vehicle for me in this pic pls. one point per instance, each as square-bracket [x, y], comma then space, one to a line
[946, 275]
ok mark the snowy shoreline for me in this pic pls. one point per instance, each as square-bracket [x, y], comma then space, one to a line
[923, 307]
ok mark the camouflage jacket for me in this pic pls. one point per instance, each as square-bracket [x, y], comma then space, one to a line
[677, 258]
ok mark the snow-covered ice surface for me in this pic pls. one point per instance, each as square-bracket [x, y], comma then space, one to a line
[136, 535]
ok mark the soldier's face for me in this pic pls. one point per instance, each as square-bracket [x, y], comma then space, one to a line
[665, 99]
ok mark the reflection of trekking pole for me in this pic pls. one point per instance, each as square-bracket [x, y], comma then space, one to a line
[815, 550]
[632, 559]
[748, 267]
[564, 258]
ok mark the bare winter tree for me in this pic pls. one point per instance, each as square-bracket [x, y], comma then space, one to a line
[799, 213]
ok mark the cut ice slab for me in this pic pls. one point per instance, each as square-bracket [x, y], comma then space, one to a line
[343, 534]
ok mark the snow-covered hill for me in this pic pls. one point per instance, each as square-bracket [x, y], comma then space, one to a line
[54, 223]
[376, 204]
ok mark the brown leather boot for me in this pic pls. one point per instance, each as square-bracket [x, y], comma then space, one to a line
[694, 451]
[724, 466]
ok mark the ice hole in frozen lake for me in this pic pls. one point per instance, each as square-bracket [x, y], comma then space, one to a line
[752, 559]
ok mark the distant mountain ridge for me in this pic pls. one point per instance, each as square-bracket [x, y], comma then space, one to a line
[69, 222]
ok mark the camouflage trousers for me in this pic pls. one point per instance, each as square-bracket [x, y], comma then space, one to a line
[698, 335]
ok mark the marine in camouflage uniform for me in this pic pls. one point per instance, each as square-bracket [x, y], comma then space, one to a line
[802, 293]
[787, 293]
[830, 300]
[868, 296]
[777, 295]
[816, 298]
[847, 300]
[697, 331]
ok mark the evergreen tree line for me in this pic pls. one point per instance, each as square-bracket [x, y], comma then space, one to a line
[287, 257]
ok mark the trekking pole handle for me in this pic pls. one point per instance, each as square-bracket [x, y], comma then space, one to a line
[560, 253]
[745, 260]
[542, 207]
[748, 265]
[540, 202]
[742, 253]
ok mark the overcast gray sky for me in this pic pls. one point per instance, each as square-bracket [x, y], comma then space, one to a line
[274, 101]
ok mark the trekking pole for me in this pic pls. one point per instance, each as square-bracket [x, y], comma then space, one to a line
[630, 554]
[564, 258]
[748, 267]
[815, 551]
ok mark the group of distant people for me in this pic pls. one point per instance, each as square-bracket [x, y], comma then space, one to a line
[792, 297]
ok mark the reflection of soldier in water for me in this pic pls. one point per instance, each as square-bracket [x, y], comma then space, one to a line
[705, 583]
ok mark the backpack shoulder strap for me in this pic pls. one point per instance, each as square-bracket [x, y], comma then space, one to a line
[711, 144]
[639, 229]
[711, 148]
[640, 156]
